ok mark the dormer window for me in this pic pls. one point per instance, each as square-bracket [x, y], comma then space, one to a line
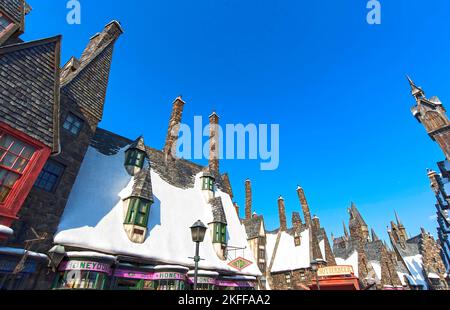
[138, 212]
[220, 233]
[135, 156]
[5, 23]
[297, 240]
[208, 184]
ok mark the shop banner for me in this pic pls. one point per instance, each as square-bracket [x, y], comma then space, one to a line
[85, 266]
[203, 280]
[225, 283]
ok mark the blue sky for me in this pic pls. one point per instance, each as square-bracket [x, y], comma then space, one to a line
[335, 84]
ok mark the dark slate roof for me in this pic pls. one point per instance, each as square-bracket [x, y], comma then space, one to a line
[410, 247]
[94, 66]
[177, 172]
[252, 226]
[373, 250]
[142, 187]
[29, 89]
[217, 210]
[138, 144]
[345, 249]
[15, 9]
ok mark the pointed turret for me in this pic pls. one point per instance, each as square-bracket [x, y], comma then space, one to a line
[358, 227]
[374, 236]
[345, 230]
[416, 91]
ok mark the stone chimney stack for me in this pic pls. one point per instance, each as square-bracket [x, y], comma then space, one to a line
[110, 33]
[174, 128]
[305, 207]
[248, 199]
[214, 144]
[316, 222]
[434, 180]
[296, 221]
[236, 207]
[282, 214]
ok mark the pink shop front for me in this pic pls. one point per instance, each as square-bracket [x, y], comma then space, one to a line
[103, 275]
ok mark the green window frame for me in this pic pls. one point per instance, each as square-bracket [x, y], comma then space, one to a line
[134, 158]
[220, 233]
[208, 184]
[138, 212]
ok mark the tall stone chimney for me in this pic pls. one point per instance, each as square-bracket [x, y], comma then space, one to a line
[282, 214]
[174, 128]
[296, 221]
[316, 222]
[305, 207]
[214, 144]
[248, 199]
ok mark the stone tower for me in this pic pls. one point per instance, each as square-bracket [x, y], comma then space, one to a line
[358, 227]
[432, 115]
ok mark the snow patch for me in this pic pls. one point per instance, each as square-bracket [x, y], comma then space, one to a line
[352, 260]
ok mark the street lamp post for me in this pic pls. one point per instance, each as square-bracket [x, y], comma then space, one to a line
[315, 264]
[198, 231]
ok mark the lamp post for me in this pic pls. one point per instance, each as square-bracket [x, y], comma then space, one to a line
[315, 264]
[198, 231]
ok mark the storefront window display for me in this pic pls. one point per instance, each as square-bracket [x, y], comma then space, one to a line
[83, 275]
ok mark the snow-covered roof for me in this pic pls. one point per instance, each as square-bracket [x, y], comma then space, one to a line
[415, 267]
[352, 260]
[6, 230]
[90, 254]
[94, 215]
[433, 275]
[377, 268]
[288, 256]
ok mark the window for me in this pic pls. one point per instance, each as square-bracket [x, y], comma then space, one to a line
[14, 158]
[220, 233]
[297, 241]
[135, 158]
[262, 253]
[138, 212]
[4, 23]
[288, 278]
[49, 176]
[208, 184]
[73, 124]
[81, 280]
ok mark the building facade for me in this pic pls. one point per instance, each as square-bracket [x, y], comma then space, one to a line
[48, 116]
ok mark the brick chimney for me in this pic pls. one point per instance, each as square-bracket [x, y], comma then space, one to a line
[248, 199]
[214, 144]
[296, 221]
[316, 222]
[282, 214]
[305, 207]
[174, 128]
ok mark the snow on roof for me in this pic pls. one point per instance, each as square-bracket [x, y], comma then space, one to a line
[433, 275]
[16, 251]
[401, 276]
[204, 273]
[90, 254]
[288, 256]
[322, 248]
[171, 267]
[242, 278]
[377, 268]
[93, 218]
[352, 260]
[415, 267]
[6, 230]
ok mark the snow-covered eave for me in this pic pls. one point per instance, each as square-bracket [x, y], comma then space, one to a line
[5, 230]
[21, 252]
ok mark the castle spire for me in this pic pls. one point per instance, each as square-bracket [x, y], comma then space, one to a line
[374, 236]
[397, 218]
[416, 91]
[345, 230]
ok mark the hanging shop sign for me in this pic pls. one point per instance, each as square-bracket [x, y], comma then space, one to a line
[240, 263]
[85, 266]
